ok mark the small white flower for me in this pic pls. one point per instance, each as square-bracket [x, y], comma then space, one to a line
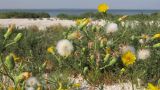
[143, 54]
[126, 48]
[141, 41]
[64, 47]
[30, 88]
[112, 27]
[31, 82]
[110, 42]
[123, 24]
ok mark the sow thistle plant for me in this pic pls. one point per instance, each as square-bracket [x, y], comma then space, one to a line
[92, 47]
[8, 63]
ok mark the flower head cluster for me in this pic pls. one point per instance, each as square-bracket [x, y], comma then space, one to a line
[128, 58]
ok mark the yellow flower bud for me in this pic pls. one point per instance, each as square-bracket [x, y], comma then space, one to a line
[156, 45]
[9, 62]
[123, 18]
[8, 33]
[122, 70]
[18, 37]
[156, 36]
[85, 70]
[92, 57]
[75, 35]
[106, 57]
[83, 49]
[113, 61]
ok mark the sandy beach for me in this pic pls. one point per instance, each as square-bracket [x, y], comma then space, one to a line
[40, 23]
[43, 23]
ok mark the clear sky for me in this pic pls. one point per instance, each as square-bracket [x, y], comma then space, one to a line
[78, 4]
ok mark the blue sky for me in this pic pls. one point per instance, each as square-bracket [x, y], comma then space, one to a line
[82, 4]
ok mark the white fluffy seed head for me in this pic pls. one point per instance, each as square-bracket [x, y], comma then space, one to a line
[126, 48]
[32, 81]
[143, 54]
[64, 47]
[112, 27]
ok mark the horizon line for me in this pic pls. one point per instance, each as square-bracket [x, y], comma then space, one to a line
[66, 9]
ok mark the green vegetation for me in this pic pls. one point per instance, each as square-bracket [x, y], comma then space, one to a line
[4, 15]
[139, 17]
[33, 52]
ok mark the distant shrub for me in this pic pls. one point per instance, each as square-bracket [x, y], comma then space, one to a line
[4, 15]
[92, 15]
[86, 15]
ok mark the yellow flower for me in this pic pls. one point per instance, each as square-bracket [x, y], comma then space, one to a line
[39, 87]
[26, 75]
[83, 21]
[13, 88]
[77, 85]
[156, 36]
[108, 50]
[87, 20]
[78, 21]
[128, 58]
[152, 87]
[103, 7]
[10, 88]
[51, 49]
[16, 58]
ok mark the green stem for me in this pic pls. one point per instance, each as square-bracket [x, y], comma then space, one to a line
[4, 42]
[120, 36]
[132, 79]
[9, 44]
[59, 61]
